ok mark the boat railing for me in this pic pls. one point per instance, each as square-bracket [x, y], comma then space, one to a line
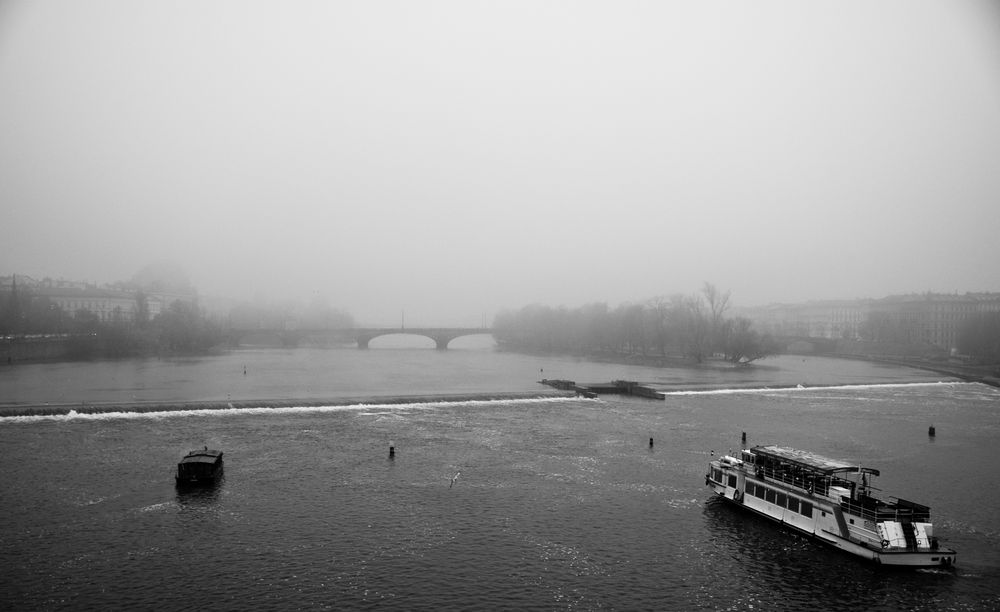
[788, 479]
[870, 508]
[880, 511]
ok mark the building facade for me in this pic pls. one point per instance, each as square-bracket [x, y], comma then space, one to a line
[108, 304]
[928, 319]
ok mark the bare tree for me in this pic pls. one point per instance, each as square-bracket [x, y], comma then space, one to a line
[741, 344]
[656, 322]
[718, 303]
[689, 323]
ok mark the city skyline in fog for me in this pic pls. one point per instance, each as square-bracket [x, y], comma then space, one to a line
[453, 159]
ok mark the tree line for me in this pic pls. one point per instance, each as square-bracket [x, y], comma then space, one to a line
[694, 327]
[181, 328]
[317, 314]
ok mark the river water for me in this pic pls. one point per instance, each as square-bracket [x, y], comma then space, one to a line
[546, 504]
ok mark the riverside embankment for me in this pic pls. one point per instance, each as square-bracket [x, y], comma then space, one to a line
[985, 374]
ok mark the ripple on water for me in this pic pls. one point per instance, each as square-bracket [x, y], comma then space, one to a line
[553, 510]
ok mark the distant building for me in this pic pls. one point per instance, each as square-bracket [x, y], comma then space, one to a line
[931, 318]
[920, 319]
[109, 304]
[827, 319]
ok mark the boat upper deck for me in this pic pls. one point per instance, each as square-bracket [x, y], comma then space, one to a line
[806, 461]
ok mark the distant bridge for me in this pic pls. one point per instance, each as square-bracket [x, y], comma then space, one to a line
[441, 336]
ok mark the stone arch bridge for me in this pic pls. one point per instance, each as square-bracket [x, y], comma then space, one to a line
[441, 336]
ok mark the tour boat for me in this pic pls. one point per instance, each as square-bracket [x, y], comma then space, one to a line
[200, 467]
[815, 496]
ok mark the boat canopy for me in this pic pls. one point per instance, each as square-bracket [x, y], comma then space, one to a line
[202, 456]
[809, 461]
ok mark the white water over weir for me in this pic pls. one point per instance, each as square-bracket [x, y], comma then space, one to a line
[813, 388]
[99, 411]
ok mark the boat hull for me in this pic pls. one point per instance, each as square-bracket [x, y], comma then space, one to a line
[198, 481]
[889, 557]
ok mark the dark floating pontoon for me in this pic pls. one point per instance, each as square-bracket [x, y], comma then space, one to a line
[200, 467]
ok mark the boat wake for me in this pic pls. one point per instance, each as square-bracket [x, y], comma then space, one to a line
[160, 507]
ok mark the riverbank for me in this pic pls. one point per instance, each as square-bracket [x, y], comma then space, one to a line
[987, 375]
[15, 410]
[638, 359]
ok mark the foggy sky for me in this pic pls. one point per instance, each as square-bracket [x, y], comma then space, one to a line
[451, 159]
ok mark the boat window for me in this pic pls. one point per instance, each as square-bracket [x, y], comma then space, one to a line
[732, 480]
[793, 504]
[807, 509]
[780, 500]
[760, 491]
[717, 475]
[769, 496]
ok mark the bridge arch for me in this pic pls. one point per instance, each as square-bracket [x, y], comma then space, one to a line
[441, 336]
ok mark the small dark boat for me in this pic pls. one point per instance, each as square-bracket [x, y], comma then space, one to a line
[200, 467]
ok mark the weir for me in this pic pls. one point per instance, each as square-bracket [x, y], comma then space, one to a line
[617, 387]
[369, 401]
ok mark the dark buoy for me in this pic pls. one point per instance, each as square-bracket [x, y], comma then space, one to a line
[392, 450]
[744, 439]
[930, 431]
[650, 443]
